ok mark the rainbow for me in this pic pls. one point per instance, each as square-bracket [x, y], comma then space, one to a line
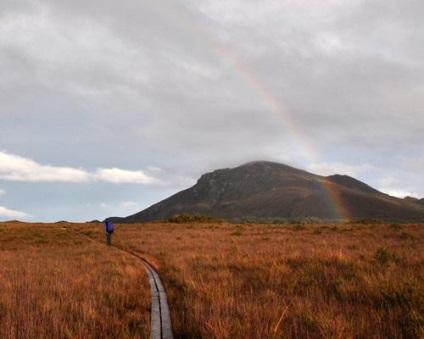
[334, 200]
[290, 127]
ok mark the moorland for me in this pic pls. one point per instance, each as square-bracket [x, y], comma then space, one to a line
[351, 280]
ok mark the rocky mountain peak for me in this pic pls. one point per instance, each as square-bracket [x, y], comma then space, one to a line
[266, 189]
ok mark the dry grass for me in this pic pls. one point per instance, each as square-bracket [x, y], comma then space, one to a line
[56, 284]
[288, 281]
[225, 281]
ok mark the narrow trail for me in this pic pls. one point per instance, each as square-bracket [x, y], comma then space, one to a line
[160, 318]
[161, 327]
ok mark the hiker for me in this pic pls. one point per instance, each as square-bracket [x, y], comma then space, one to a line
[109, 231]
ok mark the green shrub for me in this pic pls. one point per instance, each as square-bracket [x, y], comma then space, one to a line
[383, 255]
[192, 218]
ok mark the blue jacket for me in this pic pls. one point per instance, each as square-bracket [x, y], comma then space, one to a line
[109, 227]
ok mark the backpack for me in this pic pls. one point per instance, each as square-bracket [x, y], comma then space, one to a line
[109, 227]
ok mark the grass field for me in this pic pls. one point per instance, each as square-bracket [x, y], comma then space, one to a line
[223, 281]
[54, 283]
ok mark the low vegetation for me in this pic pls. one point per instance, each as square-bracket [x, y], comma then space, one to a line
[55, 283]
[223, 280]
[192, 218]
[288, 281]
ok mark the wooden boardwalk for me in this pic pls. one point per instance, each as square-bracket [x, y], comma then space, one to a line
[160, 320]
[161, 327]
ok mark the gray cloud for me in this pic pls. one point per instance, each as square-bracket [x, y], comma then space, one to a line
[189, 86]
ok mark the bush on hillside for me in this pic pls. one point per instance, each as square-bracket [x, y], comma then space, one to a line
[192, 218]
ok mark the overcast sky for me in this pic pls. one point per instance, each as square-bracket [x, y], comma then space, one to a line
[107, 107]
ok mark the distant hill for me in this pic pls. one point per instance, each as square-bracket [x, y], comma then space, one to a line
[264, 189]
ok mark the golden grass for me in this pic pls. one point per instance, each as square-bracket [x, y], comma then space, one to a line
[223, 281]
[288, 281]
[56, 284]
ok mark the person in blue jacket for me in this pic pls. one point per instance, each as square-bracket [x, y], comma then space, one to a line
[109, 231]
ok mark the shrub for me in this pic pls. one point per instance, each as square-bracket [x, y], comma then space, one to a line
[192, 218]
[383, 255]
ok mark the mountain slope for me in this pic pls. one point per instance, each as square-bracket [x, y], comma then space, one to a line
[266, 189]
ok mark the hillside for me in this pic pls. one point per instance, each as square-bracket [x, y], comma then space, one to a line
[272, 190]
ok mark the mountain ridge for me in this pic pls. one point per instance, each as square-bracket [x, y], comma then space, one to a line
[265, 189]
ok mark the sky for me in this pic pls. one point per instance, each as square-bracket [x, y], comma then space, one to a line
[107, 107]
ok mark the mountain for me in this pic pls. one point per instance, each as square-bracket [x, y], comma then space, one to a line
[271, 190]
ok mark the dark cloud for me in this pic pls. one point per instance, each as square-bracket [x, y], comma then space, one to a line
[190, 86]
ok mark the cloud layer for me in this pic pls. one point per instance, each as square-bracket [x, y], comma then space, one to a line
[16, 168]
[6, 213]
[105, 90]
